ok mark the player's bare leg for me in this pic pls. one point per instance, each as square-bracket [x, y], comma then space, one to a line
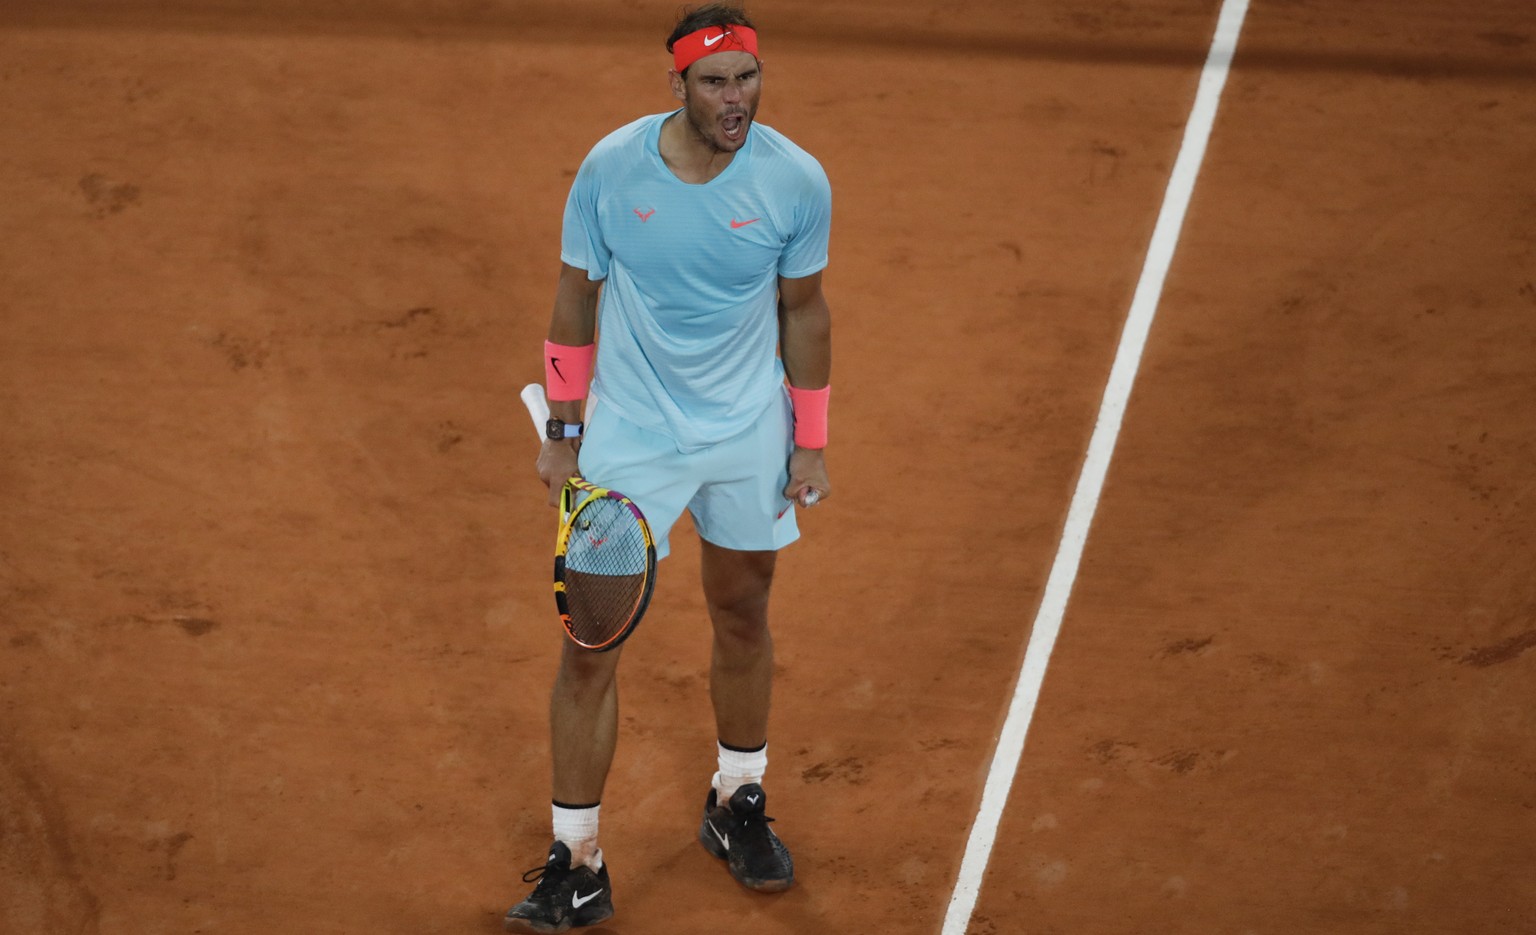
[736, 586]
[584, 727]
[735, 825]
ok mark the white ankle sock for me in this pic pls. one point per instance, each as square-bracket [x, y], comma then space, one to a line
[576, 827]
[737, 768]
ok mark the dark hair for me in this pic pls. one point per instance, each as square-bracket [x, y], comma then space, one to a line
[693, 19]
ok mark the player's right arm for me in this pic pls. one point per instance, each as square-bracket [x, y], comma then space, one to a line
[572, 324]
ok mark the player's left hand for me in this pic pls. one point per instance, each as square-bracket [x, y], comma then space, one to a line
[807, 472]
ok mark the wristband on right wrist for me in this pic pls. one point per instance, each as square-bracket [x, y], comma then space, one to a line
[810, 408]
[567, 370]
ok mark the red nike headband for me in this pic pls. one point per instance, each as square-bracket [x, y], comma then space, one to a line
[712, 39]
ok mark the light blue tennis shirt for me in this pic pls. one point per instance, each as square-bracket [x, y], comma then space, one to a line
[688, 320]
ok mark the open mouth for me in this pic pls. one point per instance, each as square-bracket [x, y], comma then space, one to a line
[734, 126]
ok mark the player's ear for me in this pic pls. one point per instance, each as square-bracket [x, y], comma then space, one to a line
[679, 86]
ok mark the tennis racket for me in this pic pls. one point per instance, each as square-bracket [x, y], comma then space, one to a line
[605, 558]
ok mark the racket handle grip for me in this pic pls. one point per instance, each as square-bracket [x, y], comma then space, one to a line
[538, 408]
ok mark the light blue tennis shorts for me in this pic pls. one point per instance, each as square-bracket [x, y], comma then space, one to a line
[734, 490]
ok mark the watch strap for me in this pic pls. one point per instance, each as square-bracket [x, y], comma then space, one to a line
[557, 429]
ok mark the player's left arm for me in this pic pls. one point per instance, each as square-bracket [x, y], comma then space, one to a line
[805, 345]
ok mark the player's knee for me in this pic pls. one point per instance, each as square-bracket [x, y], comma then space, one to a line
[584, 670]
[743, 606]
[742, 628]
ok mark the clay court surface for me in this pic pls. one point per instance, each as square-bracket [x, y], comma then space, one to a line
[275, 626]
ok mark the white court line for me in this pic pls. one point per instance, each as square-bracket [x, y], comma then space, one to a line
[1085, 500]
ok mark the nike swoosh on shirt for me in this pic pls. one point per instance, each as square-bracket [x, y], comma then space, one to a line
[735, 224]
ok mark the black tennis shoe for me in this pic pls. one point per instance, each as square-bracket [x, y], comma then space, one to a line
[563, 898]
[738, 834]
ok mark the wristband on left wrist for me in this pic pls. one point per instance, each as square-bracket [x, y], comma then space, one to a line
[810, 408]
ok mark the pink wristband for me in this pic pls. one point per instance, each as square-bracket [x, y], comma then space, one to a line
[810, 416]
[567, 370]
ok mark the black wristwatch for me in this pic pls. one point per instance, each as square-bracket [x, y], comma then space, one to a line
[556, 430]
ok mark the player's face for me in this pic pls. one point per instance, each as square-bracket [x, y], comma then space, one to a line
[720, 97]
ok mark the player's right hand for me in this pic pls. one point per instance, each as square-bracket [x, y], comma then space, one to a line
[557, 463]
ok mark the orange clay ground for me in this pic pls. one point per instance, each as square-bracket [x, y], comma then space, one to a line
[275, 629]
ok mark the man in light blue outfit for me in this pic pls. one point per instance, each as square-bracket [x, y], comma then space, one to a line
[692, 250]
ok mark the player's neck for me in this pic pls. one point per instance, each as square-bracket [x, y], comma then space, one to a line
[690, 157]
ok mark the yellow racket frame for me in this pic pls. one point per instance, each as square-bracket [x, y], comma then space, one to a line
[574, 497]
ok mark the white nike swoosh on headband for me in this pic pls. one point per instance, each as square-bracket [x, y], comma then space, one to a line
[709, 42]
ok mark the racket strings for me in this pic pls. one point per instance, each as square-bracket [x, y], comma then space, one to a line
[606, 570]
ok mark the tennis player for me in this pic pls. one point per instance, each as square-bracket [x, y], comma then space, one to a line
[694, 241]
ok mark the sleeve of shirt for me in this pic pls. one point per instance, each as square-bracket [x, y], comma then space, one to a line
[806, 251]
[581, 234]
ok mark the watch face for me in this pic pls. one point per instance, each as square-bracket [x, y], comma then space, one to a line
[554, 429]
